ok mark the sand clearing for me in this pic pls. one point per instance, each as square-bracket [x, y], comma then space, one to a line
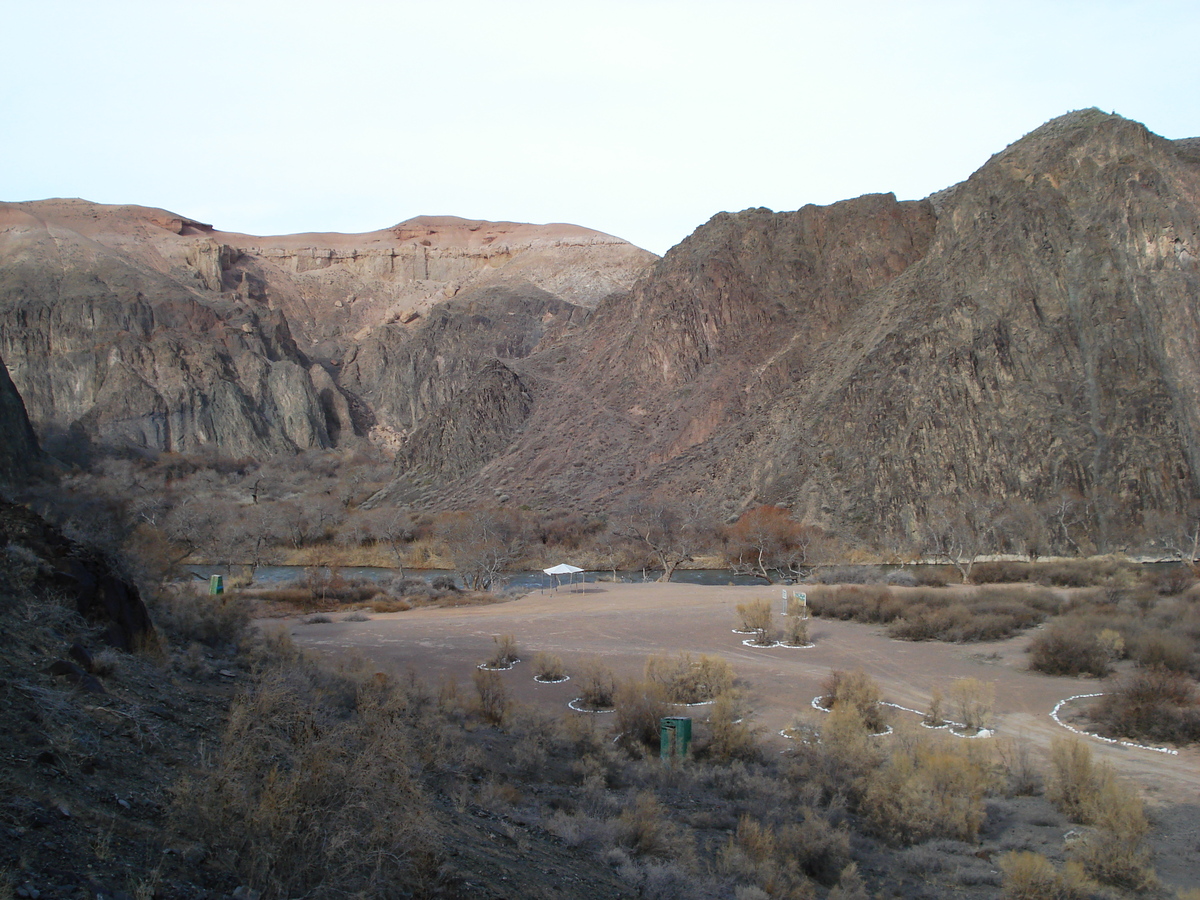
[624, 623]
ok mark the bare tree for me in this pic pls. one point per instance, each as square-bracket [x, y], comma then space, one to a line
[484, 543]
[960, 530]
[191, 525]
[397, 529]
[670, 531]
[766, 541]
[1066, 515]
[1177, 533]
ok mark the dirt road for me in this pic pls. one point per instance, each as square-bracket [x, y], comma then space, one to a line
[622, 624]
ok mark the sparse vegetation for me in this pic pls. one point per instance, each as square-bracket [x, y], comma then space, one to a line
[1155, 704]
[548, 667]
[857, 691]
[1070, 649]
[597, 685]
[310, 750]
[314, 790]
[1115, 851]
[973, 700]
[494, 702]
[505, 653]
[756, 617]
[685, 680]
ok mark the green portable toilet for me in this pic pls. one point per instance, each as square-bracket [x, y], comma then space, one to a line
[216, 584]
[675, 737]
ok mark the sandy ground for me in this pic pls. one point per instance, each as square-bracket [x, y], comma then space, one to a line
[622, 624]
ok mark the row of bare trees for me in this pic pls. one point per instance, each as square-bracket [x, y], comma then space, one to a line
[249, 511]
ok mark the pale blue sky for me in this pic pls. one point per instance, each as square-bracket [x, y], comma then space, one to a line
[641, 119]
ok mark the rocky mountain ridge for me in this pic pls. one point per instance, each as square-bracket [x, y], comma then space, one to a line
[1025, 336]
[128, 326]
[1029, 334]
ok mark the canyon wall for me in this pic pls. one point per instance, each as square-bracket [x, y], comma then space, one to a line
[1026, 335]
[133, 327]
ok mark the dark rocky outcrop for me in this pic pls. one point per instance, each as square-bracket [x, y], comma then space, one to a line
[20, 455]
[61, 566]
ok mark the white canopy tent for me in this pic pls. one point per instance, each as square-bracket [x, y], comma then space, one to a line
[562, 569]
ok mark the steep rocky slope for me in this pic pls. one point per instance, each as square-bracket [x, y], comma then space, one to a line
[132, 326]
[1030, 331]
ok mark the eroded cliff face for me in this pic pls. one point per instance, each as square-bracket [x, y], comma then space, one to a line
[132, 326]
[107, 351]
[1030, 331]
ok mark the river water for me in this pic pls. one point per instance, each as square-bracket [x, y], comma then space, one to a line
[276, 575]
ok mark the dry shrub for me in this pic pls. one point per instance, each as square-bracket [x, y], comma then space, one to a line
[758, 617]
[308, 797]
[731, 735]
[839, 765]
[289, 596]
[933, 717]
[1159, 648]
[1074, 778]
[646, 829]
[494, 702]
[1022, 776]
[749, 850]
[755, 853]
[1001, 572]
[795, 632]
[1173, 580]
[782, 860]
[548, 667]
[850, 885]
[936, 576]
[505, 653]
[987, 614]
[538, 736]
[685, 680]
[1069, 648]
[1030, 876]
[1151, 704]
[820, 849]
[597, 685]
[927, 791]
[973, 701]
[1083, 572]
[857, 690]
[1115, 852]
[860, 603]
[640, 707]
[381, 603]
[185, 615]
[448, 698]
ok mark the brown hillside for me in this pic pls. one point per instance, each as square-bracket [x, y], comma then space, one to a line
[1029, 332]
